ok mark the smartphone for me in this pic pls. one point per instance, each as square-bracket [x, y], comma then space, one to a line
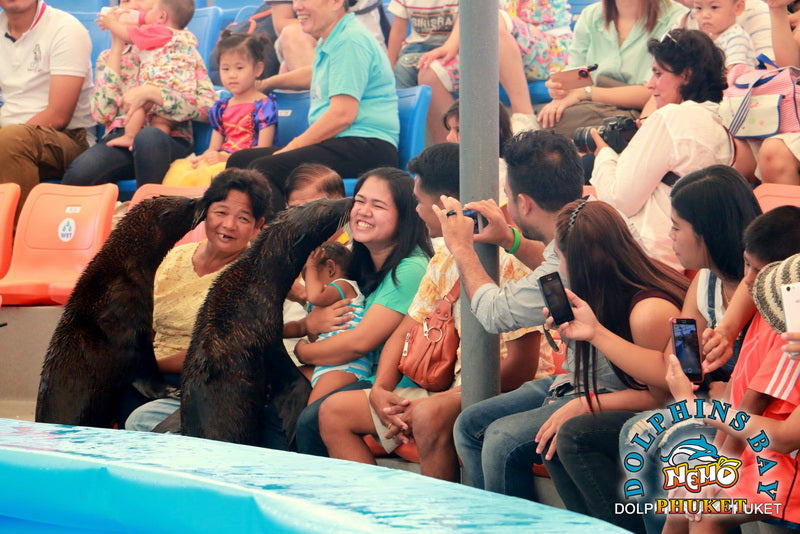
[687, 347]
[556, 298]
[790, 294]
[480, 220]
[574, 78]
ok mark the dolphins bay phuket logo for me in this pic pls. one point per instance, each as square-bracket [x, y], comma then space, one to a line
[672, 467]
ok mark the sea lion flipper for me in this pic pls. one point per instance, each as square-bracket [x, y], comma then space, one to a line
[290, 388]
[170, 425]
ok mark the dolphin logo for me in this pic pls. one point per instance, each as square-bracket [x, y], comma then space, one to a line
[692, 449]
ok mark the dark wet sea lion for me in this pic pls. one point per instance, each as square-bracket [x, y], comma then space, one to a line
[236, 362]
[104, 340]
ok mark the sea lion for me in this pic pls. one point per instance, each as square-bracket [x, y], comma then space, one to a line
[104, 340]
[236, 362]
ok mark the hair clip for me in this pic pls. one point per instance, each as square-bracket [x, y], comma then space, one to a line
[574, 214]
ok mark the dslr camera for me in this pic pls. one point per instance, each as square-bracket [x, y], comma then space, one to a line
[616, 132]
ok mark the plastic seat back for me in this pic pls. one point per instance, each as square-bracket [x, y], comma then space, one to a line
[245, 13]
[101, 40]
[154, 190]
[773, 195]
[292, 114]
[206, 26]
[60, 229]
[413, 108]
[71, 6]
[589, 190]
[9, 197]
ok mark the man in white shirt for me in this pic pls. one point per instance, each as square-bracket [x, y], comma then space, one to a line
[45, 79]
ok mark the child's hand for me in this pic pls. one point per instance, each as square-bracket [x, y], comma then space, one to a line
[195, 160]
[717, 347]
[792, 347]
[315, 258]
[212, 157]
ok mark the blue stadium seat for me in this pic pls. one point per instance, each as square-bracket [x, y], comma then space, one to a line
[231, 9]
[537, 90]
[101, 39]
[206, 25]
[576, 6]
[292, 115]
[413, 106]
[78, 5]
[245, 13]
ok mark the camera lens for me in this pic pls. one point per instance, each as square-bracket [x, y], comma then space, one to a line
[583, 139]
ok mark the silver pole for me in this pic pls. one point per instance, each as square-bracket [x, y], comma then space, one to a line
[480, 365]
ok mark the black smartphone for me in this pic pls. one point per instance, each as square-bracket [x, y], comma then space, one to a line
[480, 220]
[555, 298]
[687, 347]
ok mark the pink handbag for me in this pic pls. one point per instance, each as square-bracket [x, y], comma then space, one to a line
[761, 103]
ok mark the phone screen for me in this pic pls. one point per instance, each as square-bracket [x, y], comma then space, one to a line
[556, 298]
[687, 347]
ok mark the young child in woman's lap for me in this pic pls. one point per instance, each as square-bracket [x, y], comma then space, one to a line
[168, 55]
[247, 119]
[326, 284]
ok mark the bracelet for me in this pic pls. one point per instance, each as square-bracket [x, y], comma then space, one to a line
[517, 239]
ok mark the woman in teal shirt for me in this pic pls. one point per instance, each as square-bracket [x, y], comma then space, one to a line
[391, 250]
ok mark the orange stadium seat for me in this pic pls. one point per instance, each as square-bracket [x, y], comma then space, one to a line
[154, 190]
[60, 229]
[773, 195]
[589, 190]
[9, 197]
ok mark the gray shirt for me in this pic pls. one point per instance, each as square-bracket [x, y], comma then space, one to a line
[518, 304]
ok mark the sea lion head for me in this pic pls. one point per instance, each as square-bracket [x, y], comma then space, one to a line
[158, 223]
[297, 231]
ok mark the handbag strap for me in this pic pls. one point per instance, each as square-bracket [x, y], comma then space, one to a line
[744, 108]
[452, 296]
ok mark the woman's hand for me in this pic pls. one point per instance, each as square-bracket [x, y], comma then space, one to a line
[139, 97]
[443, 53]
[679, 385]
[551, 113]
[405, 413]
[496, 231]
[556, 89]
[599, 142]
[717, 347]
[585, 325]
[457, 229]
[389, 408]
[548, 432]
[792, 347]
[329, 318]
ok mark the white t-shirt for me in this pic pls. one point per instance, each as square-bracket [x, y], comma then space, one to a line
[430, 21]
[56, 44]
[678, 138]
[738, 47]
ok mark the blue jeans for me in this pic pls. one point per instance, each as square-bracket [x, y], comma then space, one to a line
[153, 152]
[145, 418]
[495, 437]
[651, 475]
[587, 471]
[406, 72]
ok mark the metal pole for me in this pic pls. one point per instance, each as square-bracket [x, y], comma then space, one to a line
[480, 366]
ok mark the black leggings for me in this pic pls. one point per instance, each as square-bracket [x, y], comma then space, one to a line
[349, 156]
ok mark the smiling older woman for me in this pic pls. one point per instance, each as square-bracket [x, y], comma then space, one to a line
[237, 202]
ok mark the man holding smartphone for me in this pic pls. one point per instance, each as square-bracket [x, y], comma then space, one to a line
[544, 175]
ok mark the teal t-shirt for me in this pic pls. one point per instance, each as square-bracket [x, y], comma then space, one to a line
[398, 297]
[350, 62]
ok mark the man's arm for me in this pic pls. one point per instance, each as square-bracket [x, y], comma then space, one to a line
[63, 98]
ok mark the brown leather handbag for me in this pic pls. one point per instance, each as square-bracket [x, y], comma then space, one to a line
[429, 353]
